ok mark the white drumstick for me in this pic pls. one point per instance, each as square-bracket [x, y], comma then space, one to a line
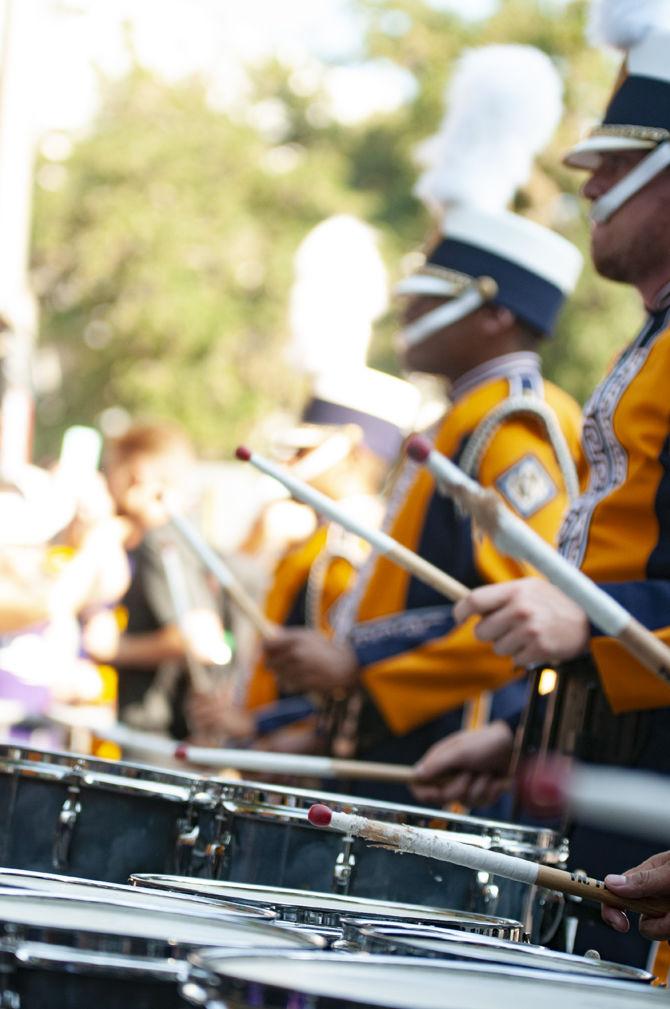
[177, 588]
[257, 761]
[631, 802]
[223, 575]
[384, 544]
[516, 539]
[437, 844]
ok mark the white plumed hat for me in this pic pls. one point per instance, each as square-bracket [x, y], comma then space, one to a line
[638, 114]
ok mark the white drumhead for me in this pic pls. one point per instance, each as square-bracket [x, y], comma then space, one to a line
[466, 945]
[400, 983]
[361, 907]
[105, 918]
[136, 896]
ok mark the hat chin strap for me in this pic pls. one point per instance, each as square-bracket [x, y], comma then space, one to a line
[444, 315]
[637, 178]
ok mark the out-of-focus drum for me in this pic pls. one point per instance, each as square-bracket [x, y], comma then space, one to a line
[262, 837]
[131, 896]
[99, 819]
[445, 944]
[354, 981]
[109, 954]
[331, 910]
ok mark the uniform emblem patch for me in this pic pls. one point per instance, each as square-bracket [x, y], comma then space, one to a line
[527, 486]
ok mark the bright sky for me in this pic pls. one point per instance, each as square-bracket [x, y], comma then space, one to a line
[213, 37]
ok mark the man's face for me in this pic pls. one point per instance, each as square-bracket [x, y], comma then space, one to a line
[137, 483]
[450, 351]
[632, 245]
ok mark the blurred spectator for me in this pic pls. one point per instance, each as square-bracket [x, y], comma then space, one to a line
[61, 553]
[170, 629]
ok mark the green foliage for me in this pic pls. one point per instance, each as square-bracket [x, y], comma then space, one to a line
[163, 258]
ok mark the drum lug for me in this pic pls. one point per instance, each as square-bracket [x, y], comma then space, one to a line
[345, 863]
[217, 850]
[187, 839]
[67, 820]
[488, 891]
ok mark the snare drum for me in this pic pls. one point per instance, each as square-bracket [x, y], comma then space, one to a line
[364, 981]
[446, 944]
[99, 819]
[331, 910]
[262, 837]
[131, 896]
[91, 943]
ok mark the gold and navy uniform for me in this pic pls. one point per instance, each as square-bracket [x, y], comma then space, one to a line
[306, 582]
[415, 663]
[618, 530]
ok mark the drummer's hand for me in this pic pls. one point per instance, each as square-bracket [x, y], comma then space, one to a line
[304, 660]
[649, 879]
[215, 715]
[528, 619]
[470, 767]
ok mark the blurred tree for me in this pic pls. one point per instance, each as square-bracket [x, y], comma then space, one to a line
[163, 245]
[163, 255]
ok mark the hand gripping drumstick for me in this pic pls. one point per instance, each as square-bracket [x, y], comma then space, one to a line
[383, 543]
[223, 575]
[433, 844]
[516, 539]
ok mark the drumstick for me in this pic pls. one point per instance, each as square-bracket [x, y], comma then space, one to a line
[258, 761]
[176, 582]
[434, 844]
[298, 765]
[384, 544]
[632, 802]
[228, 581]
[516, 539]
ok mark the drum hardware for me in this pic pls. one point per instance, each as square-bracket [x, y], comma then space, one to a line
[188, 828]
[305, 907]
[487, 890]
[217, 851]
[67, 821]
[344, 866]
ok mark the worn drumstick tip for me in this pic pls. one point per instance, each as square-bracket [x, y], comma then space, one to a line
[418, 448]
[243, 453]
[320, 815]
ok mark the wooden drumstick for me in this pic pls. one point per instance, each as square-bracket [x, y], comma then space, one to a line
[515, 538]
[435, 844]
[228, 581]
[384, 544]
[296, 765]
[258, 761]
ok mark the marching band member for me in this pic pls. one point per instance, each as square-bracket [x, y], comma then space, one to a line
[618, 530]
[351, 431]
[489, 288]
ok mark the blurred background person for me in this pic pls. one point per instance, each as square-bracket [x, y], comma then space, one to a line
[348, 438]
[167, 628]
[61, 559]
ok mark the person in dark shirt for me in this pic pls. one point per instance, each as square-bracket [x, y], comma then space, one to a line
[174, 630]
